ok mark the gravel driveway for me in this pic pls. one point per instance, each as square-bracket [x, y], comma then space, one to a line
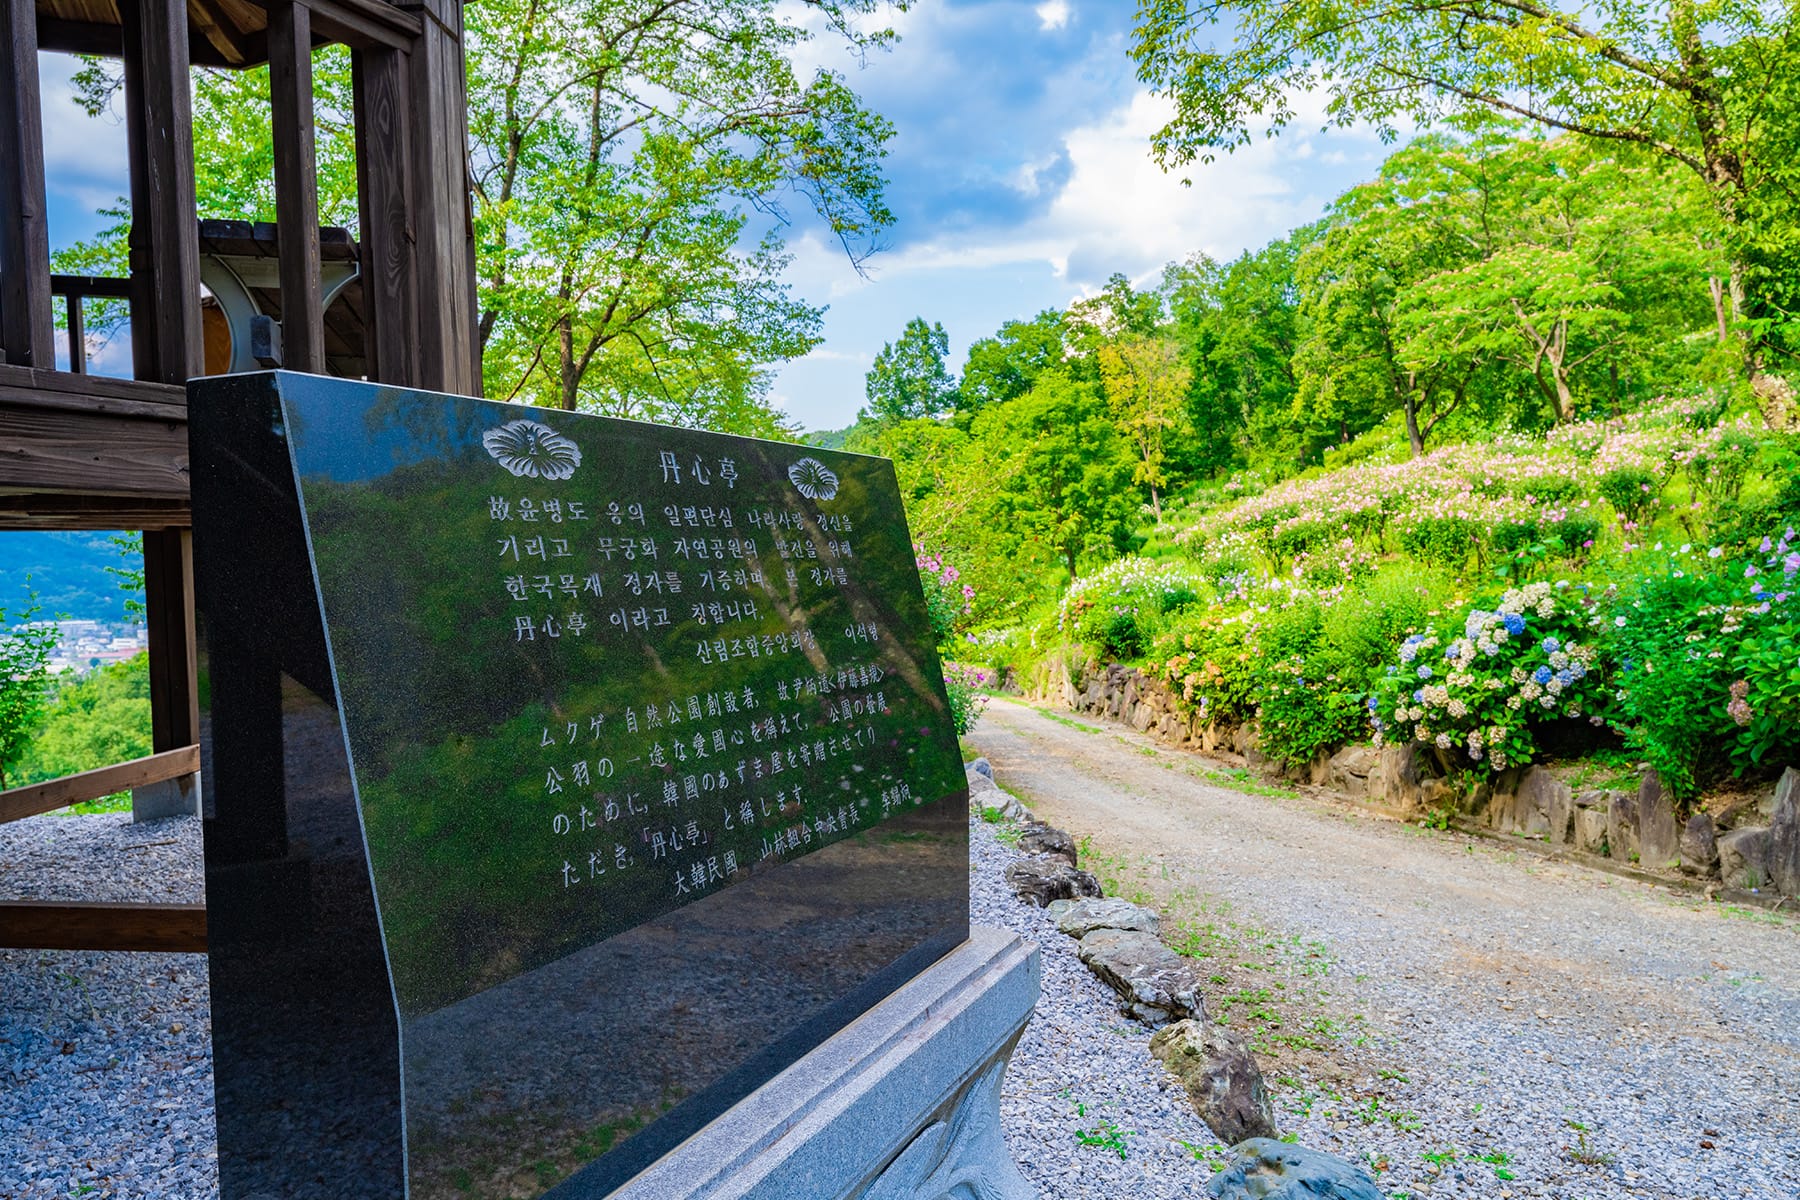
[1468, 1020]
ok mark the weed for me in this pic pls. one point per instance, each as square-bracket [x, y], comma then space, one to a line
[1390, 1073]
[1498, 1159]
[1105, 1136]
[1584, 1151]
[1441, 1158]
[1212, 1156]
[993, 816]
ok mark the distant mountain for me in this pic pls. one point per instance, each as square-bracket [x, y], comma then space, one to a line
[68, 573]
[827, 439]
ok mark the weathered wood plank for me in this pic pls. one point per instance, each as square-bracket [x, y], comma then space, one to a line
[389, 277]
[365, 24]
[66, 925]
[29, 801]
[42, 511]
[164, 242]
[27, 325]
[169, 614]
[23, 385]
[45, 449]
[296, 188]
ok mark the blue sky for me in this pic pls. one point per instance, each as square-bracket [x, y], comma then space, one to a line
[1022, 178]
[1020, 174]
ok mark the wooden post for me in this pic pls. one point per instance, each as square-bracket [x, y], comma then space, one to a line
[27, 336]
[165, 322]
[165, 245]
[449, 356]
[383, 167]
[296, 188]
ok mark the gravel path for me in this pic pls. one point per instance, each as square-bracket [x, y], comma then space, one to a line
[105, 1059]
[1488, 1023]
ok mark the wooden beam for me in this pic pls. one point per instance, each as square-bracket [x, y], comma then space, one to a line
[383, 169]
[52, 512]
[65, 925]
[27, 326]
[107, 40]
[46, 449]
[365, 24]
[29, 801]
[169, 610]
[296, 188]
[91, 394]
[449, 357]
[164, 242]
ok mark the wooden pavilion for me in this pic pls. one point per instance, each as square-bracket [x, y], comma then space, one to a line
[79, 451]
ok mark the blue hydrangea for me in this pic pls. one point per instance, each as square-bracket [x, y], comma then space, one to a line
[1370, 703]
[1550, 645]
[1419, 696]
[1424, 671]
[1449, 653]
[1515, 624]
[1392, 671]
[1542, 675]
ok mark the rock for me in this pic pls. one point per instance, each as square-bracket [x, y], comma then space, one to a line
[1041, 878]
[1351, 769]
[1155, 984]
[1590, 830]
[1659, 836]
[1784, 835]
[982, 767]
[1622, 827]
[1264, 1169]
[1078, 918]
[1402, 780]
[1699, 846]
[1562, 817]
[1220, 1076]
[1526, 807]
[1045, 839]
[1744, 857]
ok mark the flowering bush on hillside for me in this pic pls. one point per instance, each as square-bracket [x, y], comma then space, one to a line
[1479, 689]
[1113, 609]
[964, 686]
[948, 600]
[1706, 643]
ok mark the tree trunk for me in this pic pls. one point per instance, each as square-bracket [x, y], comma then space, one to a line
[568, 378]
[1414, 439]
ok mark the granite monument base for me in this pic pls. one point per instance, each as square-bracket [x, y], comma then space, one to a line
[903, 1104]
[169, 798]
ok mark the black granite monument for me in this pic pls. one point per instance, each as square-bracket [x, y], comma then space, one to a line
[566, 779]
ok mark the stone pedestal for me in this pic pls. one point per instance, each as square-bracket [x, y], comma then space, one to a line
[170, 798]
[901, 1105]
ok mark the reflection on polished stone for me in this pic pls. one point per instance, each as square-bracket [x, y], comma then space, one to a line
[654, 786]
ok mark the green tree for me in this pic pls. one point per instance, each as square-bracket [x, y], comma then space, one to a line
[1062, 475]
[25, 649]
[1146, 382]
[1005, 366]
[93, 720]
[1685, 82]
[909, 379]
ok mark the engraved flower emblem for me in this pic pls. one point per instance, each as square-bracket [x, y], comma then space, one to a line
[533, 450]
[813, 479]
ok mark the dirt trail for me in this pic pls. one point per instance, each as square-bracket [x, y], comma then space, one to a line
[1467, 960]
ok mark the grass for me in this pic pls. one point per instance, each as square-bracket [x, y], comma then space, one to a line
[117, 802]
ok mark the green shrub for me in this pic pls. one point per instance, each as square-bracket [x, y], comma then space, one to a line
[1548, 489]
[1307, 709]
[1365, 626]
[965, 687]
[1482, 689]
[1632, 492]
[1444, 542]
[1210, 659]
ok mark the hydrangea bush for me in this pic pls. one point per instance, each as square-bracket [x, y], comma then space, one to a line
[1481, 689]
[1115, 608]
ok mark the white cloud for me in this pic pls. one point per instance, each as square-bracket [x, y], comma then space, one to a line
[1120, 212]
[1053, 14]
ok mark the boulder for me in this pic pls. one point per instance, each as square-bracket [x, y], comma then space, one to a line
[1264, 1169]
[1526, 807]
[1155, 984]
[1659, 834]
[1590, 830]
[1622, 827]
[1405, 779]
[1046, 839]
[1744, 858]
[1220, 1076]
[1352, 770]
[1078, 918]
[1699, 846]
[1041, 878]
[1784, 835]
[982, 767]
[1562, 817]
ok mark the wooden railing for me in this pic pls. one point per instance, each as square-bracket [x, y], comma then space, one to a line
[74, 289]
[35, 798]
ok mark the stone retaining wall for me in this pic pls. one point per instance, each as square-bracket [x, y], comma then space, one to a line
[1751, 848]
